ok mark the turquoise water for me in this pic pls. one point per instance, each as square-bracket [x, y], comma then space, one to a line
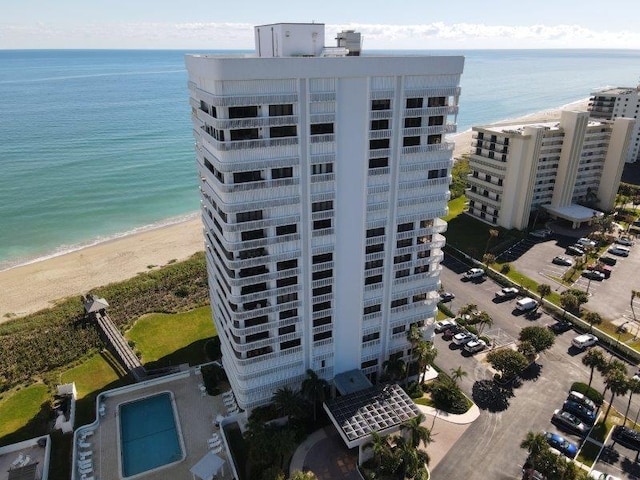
[148, 434]
[96, 144]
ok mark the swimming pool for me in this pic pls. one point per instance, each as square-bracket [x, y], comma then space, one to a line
[149, 435]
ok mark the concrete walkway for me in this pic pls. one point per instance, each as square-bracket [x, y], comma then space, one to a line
[328, 452]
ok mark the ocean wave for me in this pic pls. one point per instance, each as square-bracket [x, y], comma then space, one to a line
[64, 249]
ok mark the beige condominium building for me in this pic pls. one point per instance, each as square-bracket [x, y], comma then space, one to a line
[613, 103]
[570, 168]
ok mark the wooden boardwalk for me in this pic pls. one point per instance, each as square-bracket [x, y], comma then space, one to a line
[125, 354]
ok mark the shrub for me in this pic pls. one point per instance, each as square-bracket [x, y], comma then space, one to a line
[505, 269]
[414, 390]
[446, 310]
[447, 396]
[589, 392]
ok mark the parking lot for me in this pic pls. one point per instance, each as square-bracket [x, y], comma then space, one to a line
[491, 444]
[610, 298]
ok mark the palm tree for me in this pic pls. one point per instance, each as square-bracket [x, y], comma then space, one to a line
[634, 387]
[634, 294]
[412, 459]
[488, 259]
[593, 359]
[543, 290]
[457, 374]
[308, 475]
[493, 233]
[424, 353]
[593, 318]
[395, 368]
[535, 444]
[414, 335]
[468, 309]
[616, 381]
[483, 319]
[416, 432]
[380, 446]
[314, 389]
[287, 402]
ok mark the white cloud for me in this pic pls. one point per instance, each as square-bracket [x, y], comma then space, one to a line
[200, 35]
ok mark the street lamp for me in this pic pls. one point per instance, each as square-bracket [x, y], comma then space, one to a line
[620, 330]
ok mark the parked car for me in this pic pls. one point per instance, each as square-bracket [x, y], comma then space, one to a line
[463, 338]
[626, 241]
[620, 251]
[506, 293]
[597, 475]
[586, 242]
[583, 399]
[560, 326]
[583, 413]
[584, 341]
[473, 273]
[561, 444]
[443, 325]
[560, 260]
[569, 422]
[575, 250]
[446, 296]
[542, 233]
[525, 304]
[593, 275]
[608, 261]
[627, 437]
[475, 346]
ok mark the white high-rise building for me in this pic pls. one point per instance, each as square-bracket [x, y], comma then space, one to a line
[323, 177]
[615, 103]
[559, 166]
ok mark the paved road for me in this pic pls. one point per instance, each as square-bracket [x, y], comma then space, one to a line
[490, 446]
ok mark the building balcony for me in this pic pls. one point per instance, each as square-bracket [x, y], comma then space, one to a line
[471, 195]
[492, 187]
[435, 147]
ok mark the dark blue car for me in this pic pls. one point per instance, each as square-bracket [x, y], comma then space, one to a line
[561, 444]
[583, 413]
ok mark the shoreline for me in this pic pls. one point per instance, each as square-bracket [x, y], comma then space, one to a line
[40, 282]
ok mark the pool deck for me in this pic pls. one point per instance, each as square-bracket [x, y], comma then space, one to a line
[196, 414]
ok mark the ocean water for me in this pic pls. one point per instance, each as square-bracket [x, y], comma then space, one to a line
[98, 144]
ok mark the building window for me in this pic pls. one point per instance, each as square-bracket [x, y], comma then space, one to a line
[284, 172]
[326, 290]
[318, 322]
[372, 309]
[320, 168]
[397, 330]
[243, 112]
[403, 273]
[437, 102]
[379, 144]
[286, 282]
[252, 235]
[375, 232]
[322, 274]
[380, 124]
[379, 247]
[322, 336]
[412, 122]
[284, 314]
[257, 336]
[369, 364]
[373, 279]
[322, 206]
[322, 258]
[438, 173]
[286, 330]
[249, 216]
[287, 264]
[286, 131]
[280, 110]
[318, 307]
[379, 162]
[246, 177]
[370, 337]
[254, 322]
[290, 344]
[240, 134]
[322, 224]
[289, 297]
[401, 258]
[414, 102]
[399, 302]
[434, 139]
[405, 227]
[321, 128]
[286, 229]
[407, 242]
[384, 104]
[410, 141]
[433, 121]
[373, 264]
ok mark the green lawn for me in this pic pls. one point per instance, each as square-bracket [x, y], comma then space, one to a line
[91, 376]
[171, 337]
[21, 407]
[456, 207]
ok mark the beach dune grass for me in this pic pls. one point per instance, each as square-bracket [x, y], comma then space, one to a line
[170, 339]
[24, 413]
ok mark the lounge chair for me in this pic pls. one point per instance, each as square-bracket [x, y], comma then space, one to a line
[85, 477]
[86, 434]
[25, 461]
[213, 444]
[85, 463]
[85, 471]
[217, 449]
[85, 455]
[84, 445]
[228, 394]
[233, 411]
[229, 403]
[19, 459]
[215, 436]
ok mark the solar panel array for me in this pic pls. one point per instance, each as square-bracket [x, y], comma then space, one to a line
[372, 410]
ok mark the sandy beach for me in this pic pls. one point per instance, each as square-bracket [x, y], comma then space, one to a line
[29, 288]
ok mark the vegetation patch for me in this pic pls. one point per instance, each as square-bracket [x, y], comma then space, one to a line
[159, 335]
[588, 391]
[22, 407]
[588, 453]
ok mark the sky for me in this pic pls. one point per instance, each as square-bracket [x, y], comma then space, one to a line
[400, 24]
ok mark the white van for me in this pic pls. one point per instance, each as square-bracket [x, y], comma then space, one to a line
[525, 304]
[584, 341]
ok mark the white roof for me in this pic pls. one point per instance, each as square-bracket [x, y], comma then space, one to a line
[207, 467]
[575, 213]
